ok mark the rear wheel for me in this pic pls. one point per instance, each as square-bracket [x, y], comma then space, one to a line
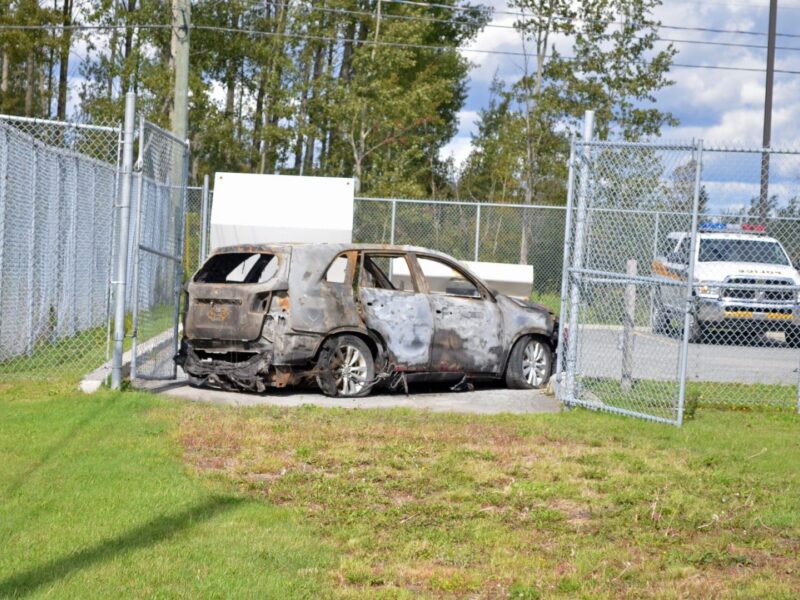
[530, 364]
[345, 367]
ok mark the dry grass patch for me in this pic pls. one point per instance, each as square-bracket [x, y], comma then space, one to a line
[523, 506]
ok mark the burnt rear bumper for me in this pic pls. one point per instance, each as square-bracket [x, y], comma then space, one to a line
[249, 374]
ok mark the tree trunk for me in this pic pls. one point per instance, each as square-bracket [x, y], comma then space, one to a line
[4, 77]
[31, 84]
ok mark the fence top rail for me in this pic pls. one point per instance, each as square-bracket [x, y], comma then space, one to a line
[148, 125]
[678, 145]
[66, 124]
[459, 203]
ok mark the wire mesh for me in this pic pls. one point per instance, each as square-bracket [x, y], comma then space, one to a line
[634, 317]
[472, 231]
[58, 184]
[160, 205]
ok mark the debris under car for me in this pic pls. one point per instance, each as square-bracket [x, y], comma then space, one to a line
[353, 317]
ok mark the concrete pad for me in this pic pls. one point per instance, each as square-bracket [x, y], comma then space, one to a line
[486, 401]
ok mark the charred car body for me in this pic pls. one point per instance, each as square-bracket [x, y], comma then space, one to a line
[352, 316]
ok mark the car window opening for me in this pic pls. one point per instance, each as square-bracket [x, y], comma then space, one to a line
[238, 267]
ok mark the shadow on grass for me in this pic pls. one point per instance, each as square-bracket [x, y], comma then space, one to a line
[152, 532]
[56, 447]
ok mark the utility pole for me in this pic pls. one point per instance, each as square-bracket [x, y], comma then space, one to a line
[763, 204]
[181, 21]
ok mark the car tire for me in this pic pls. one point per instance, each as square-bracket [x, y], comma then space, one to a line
[697, 331]
[345, 367]
[793, 337]
[529, 364]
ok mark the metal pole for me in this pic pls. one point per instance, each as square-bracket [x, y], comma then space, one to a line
[32, 256]
[124, 207]
[689, 310]
[137, 253]
[565, 267]
[765, 143]
[179, 264]
[477, 231]
[577, 255]
[394, 216]
[204, 222]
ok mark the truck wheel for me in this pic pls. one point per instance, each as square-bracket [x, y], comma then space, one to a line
[661, 322]
[530, 364]
[697, 331]
[345, 367]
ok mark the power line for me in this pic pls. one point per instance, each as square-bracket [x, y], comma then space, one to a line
[304, 36]
[654, 24]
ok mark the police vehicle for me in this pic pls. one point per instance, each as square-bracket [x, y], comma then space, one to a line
[745, 284]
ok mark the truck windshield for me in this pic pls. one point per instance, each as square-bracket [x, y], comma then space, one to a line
[751, 251]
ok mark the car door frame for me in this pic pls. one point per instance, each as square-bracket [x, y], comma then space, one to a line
[495, 354]
[403, 319]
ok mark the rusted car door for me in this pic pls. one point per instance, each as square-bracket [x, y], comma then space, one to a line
[393, 308]
[468, 325]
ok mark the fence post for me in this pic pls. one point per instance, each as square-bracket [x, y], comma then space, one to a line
[477, 230]
[628, 324]
[394, 216]
[689, 308]
[179, 265]
[565, 268]
[124, 207]
[203, 222]
[137, 232]
[32, 254]
[577, 254]
[656, 234]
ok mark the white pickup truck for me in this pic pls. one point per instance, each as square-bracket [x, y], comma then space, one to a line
[744, 284]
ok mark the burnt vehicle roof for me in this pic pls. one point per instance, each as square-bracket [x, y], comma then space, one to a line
[327, 248]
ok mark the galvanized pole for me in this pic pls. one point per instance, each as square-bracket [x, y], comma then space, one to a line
[689, 308]
[394, 216]
[204, 222]
[179, 265]
[577, 254]
[124, 208]
[656, 234]
[565, 267]
[477, 231]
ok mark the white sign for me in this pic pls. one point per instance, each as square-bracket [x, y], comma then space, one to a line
[263, 209]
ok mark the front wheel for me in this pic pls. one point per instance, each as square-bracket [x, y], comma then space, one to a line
[530, 364]
[345, 367]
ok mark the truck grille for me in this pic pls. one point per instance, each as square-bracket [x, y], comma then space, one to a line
[759, 295]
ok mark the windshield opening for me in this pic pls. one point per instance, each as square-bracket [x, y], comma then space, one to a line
[752, 251]
[238, 267]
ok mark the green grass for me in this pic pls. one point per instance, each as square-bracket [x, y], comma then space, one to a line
[96, 503]
[551, 300]
[73, 356]
[126, 494]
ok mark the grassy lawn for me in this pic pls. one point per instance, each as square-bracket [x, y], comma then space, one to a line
[128, 494]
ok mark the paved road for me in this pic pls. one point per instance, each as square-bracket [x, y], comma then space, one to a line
[764, 360]
[484, 400]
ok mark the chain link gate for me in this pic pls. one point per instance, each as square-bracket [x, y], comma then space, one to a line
[159, 205]
[679, 287]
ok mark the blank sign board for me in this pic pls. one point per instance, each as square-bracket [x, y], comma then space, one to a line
[263, 209]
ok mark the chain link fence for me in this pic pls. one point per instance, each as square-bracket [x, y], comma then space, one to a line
[58, 184]
[680, 289]
[159, 207]
[472, 231]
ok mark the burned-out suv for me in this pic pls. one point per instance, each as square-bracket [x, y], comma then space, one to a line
[353, 316]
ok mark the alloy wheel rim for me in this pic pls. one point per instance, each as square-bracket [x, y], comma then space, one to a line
[349, 368]
[534, 363]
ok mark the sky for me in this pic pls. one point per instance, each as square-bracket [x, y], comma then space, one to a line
[721, 107]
